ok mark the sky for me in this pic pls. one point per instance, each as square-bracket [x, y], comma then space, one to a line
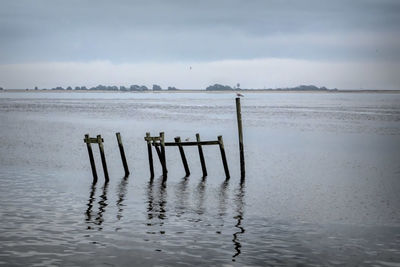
[192, 44]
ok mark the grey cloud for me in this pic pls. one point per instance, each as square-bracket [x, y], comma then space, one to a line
[125, 31]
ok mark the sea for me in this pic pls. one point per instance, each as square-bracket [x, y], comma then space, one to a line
[321, 184]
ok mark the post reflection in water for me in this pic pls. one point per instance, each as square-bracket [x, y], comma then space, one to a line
[121, 196]
[182, 196]
[89, 211]
[150, 199]
[239, 211]
[200, 190]
[156, 203]
[96, 219]
[222, 199]
[162, 201]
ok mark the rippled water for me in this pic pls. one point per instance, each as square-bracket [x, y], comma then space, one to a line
[322, 182]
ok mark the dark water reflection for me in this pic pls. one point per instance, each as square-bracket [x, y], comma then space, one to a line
[200, 195]
[90, 204]
[156, 203]
[96, 218]
[122, 190]
[182, 195]
[239, 213]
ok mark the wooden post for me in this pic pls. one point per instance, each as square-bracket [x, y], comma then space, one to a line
[103, 157]
[122, 152]
[202, 161]
[91, 158]
[164, 162]
[150, 156]
[158, 151]
[182, 152]
[222, 149]
[240, 131]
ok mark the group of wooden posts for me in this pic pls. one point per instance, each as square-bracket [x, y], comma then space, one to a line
[99, 140]
[158, 142]
[159, 145]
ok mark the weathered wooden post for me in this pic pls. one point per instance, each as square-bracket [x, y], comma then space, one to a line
[155, 144]
[164, 162]
[150, 155]
[103, 157]
[122, 152]
[91, 158]
[182, 152]
[223, 156]
[240, 131]
[202, 161]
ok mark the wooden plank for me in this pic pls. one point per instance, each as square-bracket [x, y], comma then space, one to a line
[202, 161]
[203, 143]
[92, 140]
[150, 138]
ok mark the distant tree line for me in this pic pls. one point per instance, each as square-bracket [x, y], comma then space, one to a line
[305, 88]
[155, 87]
[138, 88]
[220, 87]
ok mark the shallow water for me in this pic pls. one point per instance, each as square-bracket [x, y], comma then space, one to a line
[321, 188]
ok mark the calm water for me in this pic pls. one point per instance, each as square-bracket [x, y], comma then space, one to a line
[322, 183]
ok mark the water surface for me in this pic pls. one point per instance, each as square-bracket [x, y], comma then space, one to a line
[321, 185]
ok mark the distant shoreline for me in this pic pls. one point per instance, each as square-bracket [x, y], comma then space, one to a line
[205, 91]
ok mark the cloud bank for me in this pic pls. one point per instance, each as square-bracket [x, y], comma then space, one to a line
[159, 39]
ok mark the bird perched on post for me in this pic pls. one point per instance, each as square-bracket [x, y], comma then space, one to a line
[239, 95]
[187, 139]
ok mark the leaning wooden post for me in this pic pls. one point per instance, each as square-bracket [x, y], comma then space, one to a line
[122, 152]
[202, 161]
[164, 162]
[222, 149]
[240, 131]
[103, 157]
[150, 155]
[91, 158]
[155, 144]
[182, 152]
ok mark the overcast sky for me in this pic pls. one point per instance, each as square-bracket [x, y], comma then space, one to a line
[257, 43]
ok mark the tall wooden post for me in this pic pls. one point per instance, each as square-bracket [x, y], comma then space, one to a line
[182, 152]
[91, 158]
[240, 131]
[164, 162]
[103, 157]
[122, 152]
[202, 161]
[223, 156]
[150, 156]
